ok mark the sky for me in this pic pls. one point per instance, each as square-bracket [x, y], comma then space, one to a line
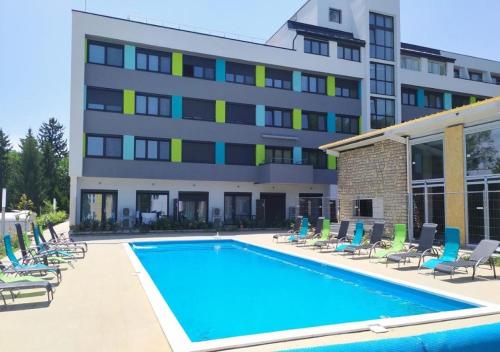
[35, 36]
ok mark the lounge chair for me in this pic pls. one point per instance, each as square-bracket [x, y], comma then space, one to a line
[61, 239]
[425, 242]
[302, 234]
[375, 241]
[481, 255]
[76, 251]
[451, 248]
[295, 228]
[5, 278]
[324, 234]
[25, 285]
[357, 239]
[398, 243]
[341, 236]
[45, 249]
[21, 268]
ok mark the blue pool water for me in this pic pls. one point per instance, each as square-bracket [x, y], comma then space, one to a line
[219, 289]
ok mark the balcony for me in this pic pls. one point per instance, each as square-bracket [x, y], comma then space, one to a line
[281, 170]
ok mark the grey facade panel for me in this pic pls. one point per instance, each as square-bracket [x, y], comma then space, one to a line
[156, 83]
[325, 177]
[197, 172]
[158, 127]
[409, 112]
[285, 173]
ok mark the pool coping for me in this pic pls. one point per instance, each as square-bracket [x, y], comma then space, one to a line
[180, 342]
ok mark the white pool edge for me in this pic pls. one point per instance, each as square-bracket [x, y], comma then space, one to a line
[180, 342]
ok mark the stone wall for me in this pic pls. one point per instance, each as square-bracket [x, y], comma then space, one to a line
[375, 172]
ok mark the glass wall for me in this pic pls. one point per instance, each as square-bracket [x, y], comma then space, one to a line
[193, 206]
[237, 208]
[483, 152]
[151, 206]
[98, 206]
[427, 160]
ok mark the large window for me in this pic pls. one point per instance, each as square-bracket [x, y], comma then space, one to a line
[483, 152]
[151, 206]
[313, 121]
[278, 155]
[315, 157]
[409, 96]
[381, 112]
[198, 152]
[347, 124]
[105, 54]
[335, 15]
[198, 109]
[199, 67]
[346, 88]
[240, 154]
[104, 99]
[363, 208]
[278, 117]
[101, 146]
[237, 208]
[152, 149]
[348, 53]
[278, 79]
[410, 63]
[381, 79]
[476, 76]
[433, 100]
[427, 160]
[99, 206]
[316, 47]
[240, 113]
[437, 67]
[193, 206]
[154, 61]
[381, 37]
[240, 73]
[154, 105]
[313, 84]
[459, 100]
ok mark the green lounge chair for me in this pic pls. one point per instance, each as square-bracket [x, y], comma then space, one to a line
[340, 236]
[325, 234]
[356, 241]
[398, 244]
[451, 248]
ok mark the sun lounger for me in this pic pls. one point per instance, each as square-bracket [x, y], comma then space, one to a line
[324, 234]
[295, 228]
[398, 243]
[341, 235]
[25, 285]
[357, 239]
[375, 241]
[61, 239]
[451, 248]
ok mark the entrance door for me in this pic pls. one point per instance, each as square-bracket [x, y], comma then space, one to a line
[483, 207]
[428, 206]
[311, 206]
[274, 208]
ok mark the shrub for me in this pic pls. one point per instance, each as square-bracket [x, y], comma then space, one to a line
[54, 217]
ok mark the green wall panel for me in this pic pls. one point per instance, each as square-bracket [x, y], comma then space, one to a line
[177, 63]
[220, 111]
[84, 145]
[260, 76]
[128, 102]
[472, 100]
[297, 119]
[176, 150]
[330, 86]
[260, 154]
[332, 162]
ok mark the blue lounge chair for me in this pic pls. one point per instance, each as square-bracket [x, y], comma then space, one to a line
[23, 268]
[356, 241]
[302, 235]
[45, 249]
[451, 248]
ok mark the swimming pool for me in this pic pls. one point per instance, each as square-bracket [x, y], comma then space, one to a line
[224, 289]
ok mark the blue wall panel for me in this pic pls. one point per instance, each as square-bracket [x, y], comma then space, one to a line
[176, 107]
[220, 153]
[330, 122]
[297, 81]
[420, 97]
[447, 101]
[260, 115]
[297, 155]
[128, 148]
[220, 70]
[130, 57]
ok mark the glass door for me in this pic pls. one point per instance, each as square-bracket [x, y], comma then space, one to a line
[476, 212]
[494, 210]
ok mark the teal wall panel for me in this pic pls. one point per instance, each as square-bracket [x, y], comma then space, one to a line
[297, 155]
[447, 101]
[297, 81]
[260, 115]
[420, 97]
[220, 153]
[220, 70]
[177, 107]
[128, 148]
[130, 57]
[330, 122]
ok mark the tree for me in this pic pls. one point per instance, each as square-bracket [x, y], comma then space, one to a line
[30, 175]
[5, 148]
[25, 203]
[52, 133]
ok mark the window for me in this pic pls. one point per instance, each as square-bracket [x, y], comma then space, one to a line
[278, 79]
[104, 99]
[483, 152]
[151, 203]
[495, 80]
[155, 61]
[198, 152]
[237, 208]
[243, 114]
[278, 117]
[456, 72]
[409, 96]
[427, 160]
[381, 79]
[476, 76]
[313, 121]
[105, 54]
[313, 84]
[315, 157]
[240, 73]
[193, 206]
[363, 208]
[316, 47]
[153, 105]
[381, 37]
[346, 88]
[347, 124]
[410, 63]
[197, 109]
[335, 15]
[381, 112]
[459, 100]
[278, 155]
[152, 149]
[437, 67]
[98, 206]
[100, 146]
[348, 53]
[240, 154]
[199, 67]
[433, 100]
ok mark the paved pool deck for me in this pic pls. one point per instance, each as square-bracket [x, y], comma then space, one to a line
[100, 305]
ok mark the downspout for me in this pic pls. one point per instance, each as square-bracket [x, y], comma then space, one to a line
[409, 200]
[293, 42]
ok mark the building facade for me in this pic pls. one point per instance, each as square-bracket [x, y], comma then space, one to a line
[174, 123]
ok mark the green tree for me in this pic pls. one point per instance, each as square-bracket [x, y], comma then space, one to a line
[63, 184]
[5, 148]
[13, 186]
[25, 203]
[52, 133]
[30, 175]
